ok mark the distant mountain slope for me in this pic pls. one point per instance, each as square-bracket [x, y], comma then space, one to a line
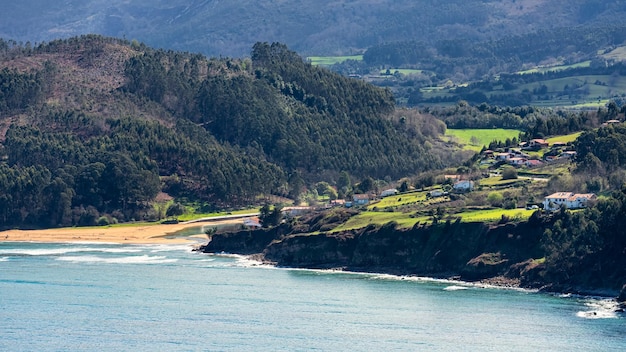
[229, 28]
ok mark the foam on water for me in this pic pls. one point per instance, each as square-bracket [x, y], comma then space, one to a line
[455, 288]
[143, 259]
[599, 309]
[64, 250]
[4, 259]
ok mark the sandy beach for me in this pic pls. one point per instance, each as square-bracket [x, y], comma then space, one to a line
[144, 234]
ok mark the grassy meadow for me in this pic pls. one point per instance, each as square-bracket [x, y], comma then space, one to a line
[564, 139]
[331, 60]
[475, 139]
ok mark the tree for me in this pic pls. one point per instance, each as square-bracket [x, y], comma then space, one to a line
[509, 173]
[344, 185]
[175, 209]
[495, 199]
[270, 217]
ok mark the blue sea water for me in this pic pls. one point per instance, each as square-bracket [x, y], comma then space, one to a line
[108, 297]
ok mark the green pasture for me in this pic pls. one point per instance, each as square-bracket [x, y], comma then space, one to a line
[497, 182]
[407, 220]
[366, 218]
[475, 139]
[545, 69]
[564, 139]
[193, 216]
[403, 71]
[398, 200]
[492, 215]
[331, 60]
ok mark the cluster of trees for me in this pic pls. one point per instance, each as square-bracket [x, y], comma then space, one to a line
[53, 178]
[19, 90]
[300, 117]
[532, 121]
[587, 248]
[221, 131]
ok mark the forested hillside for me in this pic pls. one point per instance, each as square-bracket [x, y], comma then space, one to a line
[95, 126]
[310, 27]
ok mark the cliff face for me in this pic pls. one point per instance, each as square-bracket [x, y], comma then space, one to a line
[471, 251]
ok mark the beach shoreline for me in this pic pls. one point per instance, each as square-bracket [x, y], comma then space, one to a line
[140, 234]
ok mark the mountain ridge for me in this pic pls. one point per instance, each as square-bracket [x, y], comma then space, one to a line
[323, 28]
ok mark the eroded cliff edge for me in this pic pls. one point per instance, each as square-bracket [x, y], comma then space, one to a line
[510, 254]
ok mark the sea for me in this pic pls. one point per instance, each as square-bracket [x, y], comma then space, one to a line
[112, 297]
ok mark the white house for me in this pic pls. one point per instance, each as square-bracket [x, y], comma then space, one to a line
[389, 192]
[567, 199]
[463, 186]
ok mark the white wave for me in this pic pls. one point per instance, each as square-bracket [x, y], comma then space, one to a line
[4, 259]
[599, 309]
[143, 259]
[65, 250]
[455, 288]
[157, 248]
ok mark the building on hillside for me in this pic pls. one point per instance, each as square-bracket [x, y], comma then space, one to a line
[517, 161]
[570, 154]
[568, 200]
[360, 199]
[538, 143]
[437, 193]
[463, 186]
[533, 163]
[388, 192]
[337, 203]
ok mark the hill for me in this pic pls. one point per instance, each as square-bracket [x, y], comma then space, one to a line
[313, 28]
[94, 126]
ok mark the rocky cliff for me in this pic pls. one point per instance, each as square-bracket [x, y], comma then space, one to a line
[469, 251]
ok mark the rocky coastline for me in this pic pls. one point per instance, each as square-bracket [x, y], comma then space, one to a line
[508, 255]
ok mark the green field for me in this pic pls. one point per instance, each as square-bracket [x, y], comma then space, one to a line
[406, 220]
[475, 139]
[564, 139]
[545, 69]
[404, 71]
[331, 60]
[493, 215]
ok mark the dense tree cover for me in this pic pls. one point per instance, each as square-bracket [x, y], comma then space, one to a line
[18, 90]
[220, 131]
[587, 248]
[602, 150]
[298, 116]
[116, 171]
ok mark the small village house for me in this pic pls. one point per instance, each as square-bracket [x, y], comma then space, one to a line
[388, 192]
[568, 200]
[360, 199]
[463, 186]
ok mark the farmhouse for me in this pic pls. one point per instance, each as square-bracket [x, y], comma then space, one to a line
[568, 200]
[538, 143]
[361, 199]
[568, 155]
[388, 192]
[463, 186]
[533, 163]
[517, 161]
